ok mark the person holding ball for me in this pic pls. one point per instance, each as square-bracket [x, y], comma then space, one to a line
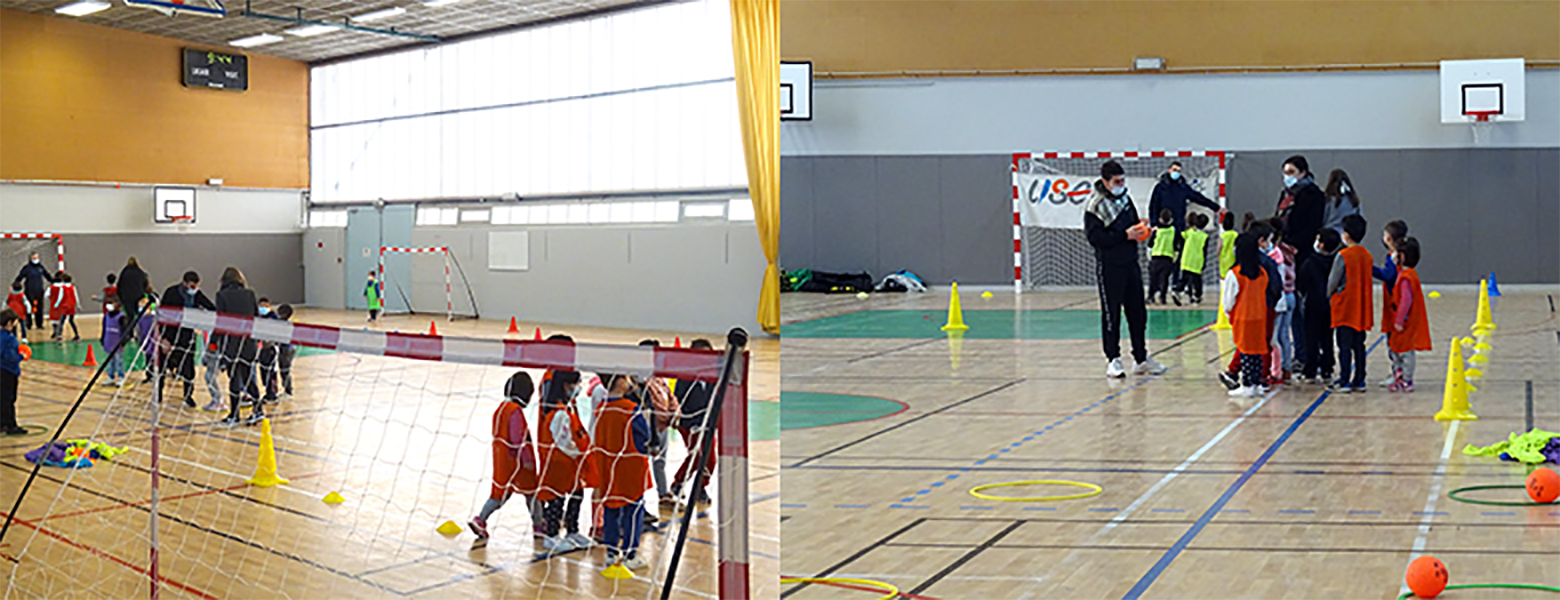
[1112, 225]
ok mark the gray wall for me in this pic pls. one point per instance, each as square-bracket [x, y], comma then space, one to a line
[949, 218]
[994, 115]
[270, 261]
[945, 218]
[690, 276]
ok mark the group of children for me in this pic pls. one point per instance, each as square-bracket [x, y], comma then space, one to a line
[1331, 289]
[1176, 259]
[612, 456]
[60, 304]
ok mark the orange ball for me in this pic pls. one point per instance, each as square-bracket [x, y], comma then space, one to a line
[26, 352]
[1426, 577]
[1543, 485]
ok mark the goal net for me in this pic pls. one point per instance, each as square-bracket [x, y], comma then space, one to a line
[425, 291]
[15, 248]
[363, 481]
[1049, 191]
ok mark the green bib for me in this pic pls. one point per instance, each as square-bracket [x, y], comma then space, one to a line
[372, 292]
[1192, 252]
[1164, 242]
[1226, 252]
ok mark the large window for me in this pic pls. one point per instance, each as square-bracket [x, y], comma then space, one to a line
[637, 101]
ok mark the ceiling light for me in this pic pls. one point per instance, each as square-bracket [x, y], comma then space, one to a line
[311, 30]
[380, 14]
[1148, 63]
[81, 8]
[256, 40]
[438, 3]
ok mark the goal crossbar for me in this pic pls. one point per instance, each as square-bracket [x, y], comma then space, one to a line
[449, 299]
[59, 242]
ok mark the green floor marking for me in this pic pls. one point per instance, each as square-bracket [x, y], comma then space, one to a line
[763, 422]
[992, 324]
[801, 410]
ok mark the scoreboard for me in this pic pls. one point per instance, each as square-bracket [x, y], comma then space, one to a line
[207, 69]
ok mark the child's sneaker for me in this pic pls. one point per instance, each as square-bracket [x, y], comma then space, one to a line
[1244, 392]
[228, 421]
[13, 431]
[478, 526]
[635, 563]
[1339, 387]
[1407, 387]
[1114, 370]
[255, 419]
[214, 406]
[1149, 367]
[557, 545]
[1360, 388]
[702, 498]
[578, 541]
[1229, 380]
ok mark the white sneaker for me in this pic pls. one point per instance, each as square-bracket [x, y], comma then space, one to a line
[1115, 370]
[1149, 367]
[1386, 382]
[1244, 392]
[636, 563]
[557, 545]
[579, 541]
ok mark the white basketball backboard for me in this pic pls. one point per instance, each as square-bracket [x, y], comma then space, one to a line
[796, 91]
[1483, 86]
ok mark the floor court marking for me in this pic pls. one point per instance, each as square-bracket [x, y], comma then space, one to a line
[1433, 497]
[859, 553]
[909, 421]
[1186, 538]
[105, 555]
[967, 557]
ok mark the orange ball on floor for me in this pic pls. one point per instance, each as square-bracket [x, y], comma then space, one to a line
[1426, 577]
[1543, 485]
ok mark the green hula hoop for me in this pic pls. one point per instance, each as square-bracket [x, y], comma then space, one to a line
[1477, 586]
[1453, 495]
[1093, 490]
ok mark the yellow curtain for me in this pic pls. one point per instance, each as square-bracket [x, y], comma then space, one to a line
[755, 41]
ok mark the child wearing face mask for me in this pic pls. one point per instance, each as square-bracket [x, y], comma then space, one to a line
[1161, 262]
[1391, 235]
[1193, 250]
[1284, 257]
[1316, 349]
[1348, 290]
[62, 306]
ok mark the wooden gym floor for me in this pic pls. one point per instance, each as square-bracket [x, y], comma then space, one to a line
[406, 442]
[1296, 494]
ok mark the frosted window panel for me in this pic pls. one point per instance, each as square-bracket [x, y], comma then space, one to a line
[557, 214]
[704, 210]
[579, 213]
[741, 209]
[666, 211]
[600, 212]
[641, 146]
[427, 216]
[475, 216]
[573, 140]
[449, 216]
[622, 212]
[522, 215]
[500, 215]
[644, 212]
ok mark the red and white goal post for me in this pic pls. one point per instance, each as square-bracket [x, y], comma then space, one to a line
[449, 297]
[59, 243]
[1050, 188]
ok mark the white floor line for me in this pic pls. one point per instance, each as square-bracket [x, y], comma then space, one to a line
[1433, 497]
[1176, 472]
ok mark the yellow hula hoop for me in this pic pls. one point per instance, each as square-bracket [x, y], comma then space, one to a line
[1094, 490]
[893, 592]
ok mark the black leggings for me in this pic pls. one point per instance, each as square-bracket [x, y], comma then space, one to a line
[565, 511]
[241, 381]
[9, 382]
[37, 309]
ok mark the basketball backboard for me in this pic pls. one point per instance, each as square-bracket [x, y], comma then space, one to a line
[1494, 88]
[170, 203]
[796, 91]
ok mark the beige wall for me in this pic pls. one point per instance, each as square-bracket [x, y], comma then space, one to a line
[951, 35]
[87, 103]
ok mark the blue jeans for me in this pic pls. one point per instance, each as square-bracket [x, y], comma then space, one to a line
[623, 527]
[114, 367]
[1282, 329]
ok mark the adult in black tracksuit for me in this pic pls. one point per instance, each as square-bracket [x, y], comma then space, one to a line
[240, 352]
[131, 287]
[1172, 192]
[35, 280]
[1303, 208]
[1107, 218]
[180, 357]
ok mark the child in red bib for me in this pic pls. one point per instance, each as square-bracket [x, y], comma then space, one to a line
[1410, 328]
[514, 454]
[621, 459]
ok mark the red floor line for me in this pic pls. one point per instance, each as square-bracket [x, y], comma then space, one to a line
[101, 554]
[148, 501]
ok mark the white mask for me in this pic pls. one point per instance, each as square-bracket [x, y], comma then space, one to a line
[1318, 247]
[1175, 175]
[1289, 180]
[1118, 190]
[35, 261]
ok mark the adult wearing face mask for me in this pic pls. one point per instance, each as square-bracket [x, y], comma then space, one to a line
[1173, 192]
[178, 347]
[35, 279]
[1112, 225]
[1303, 208]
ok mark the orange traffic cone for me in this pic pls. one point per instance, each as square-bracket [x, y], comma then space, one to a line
[514, 326]
[538, 334]
[91, 360]
[432, 329]
[677, 342]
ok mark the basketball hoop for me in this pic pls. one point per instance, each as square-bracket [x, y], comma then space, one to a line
[1482, 116]
[1481, 121]
[183, 222]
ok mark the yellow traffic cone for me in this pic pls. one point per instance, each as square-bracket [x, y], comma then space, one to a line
[617, 571]
[1454, 403]
[955, 314]
[1483, 322]
[955, 347]
[265, 472]
[1223, 324]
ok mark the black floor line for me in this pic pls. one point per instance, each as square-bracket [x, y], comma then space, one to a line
[968, 556]
[860, 553]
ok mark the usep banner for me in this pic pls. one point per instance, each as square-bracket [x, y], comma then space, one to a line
[1056, 201]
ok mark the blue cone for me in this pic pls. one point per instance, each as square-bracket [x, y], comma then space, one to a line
[1494, 289]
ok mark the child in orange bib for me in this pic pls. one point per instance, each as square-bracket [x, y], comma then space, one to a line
[562, 442]
[1348, 290]
[1410, 328]
[621, 459]
[514, 454]
[1245, 297]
